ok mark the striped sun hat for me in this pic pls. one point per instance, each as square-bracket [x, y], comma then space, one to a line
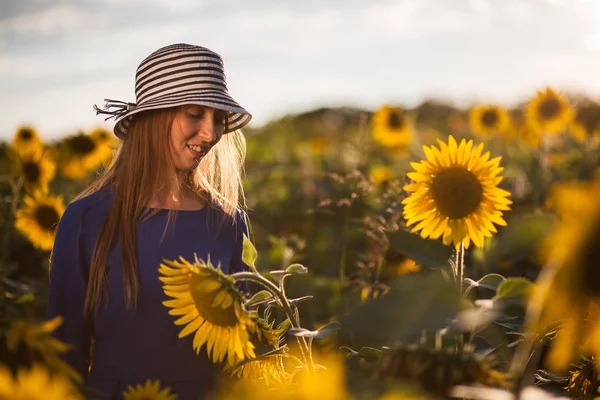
[175, 75]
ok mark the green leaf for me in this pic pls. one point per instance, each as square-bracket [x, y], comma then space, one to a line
[369, 353]
[284, 325]
[512, 287]
[259, 298]
[26, 298]
[425, 252]
[513, 291]
[249, 253]
[299, 299]
[297, 269]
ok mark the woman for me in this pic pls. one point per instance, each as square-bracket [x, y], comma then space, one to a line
[173, 189]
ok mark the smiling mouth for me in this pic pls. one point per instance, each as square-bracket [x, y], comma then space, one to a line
[199, 150]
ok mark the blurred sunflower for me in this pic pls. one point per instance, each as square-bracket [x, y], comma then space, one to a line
[489, 120]
[38, 339]
[455, 194]
[326, 382]
[37, 170]
[404, 267]
[103, 137]
[210, 305]
[318, 145]
[38, 218]
[528, 135]
[7, 385]
[587, 122]
[35, 384]
[568, 290]
[149, 391]
[391, 127]
[265, 366]
[26, 140]
[9, 160]
[456, 122]
[380, 174]
[80, 154]
[549, 111]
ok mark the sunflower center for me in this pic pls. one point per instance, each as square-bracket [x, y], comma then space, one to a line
[456, 192]
[489, 118]
[589, 117]
[26, 134]
[395, 121]
[31, 170]
[82, 144]
[224, 317]
[589, 262]
[47, 217]
[549, 108]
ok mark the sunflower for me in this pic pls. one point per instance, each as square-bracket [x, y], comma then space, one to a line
[210, 305]
[583, 382]
[35, 384]
[38, 340]
[587, 122]
[391, 127]
[265, 366]
[7, 384]
[37, 170]
[319, 145]
[456, 194]
[38, 218]
[26, 140]
[9, 160]
[489, 120]
[102, 136]
[549, 111]
[149, 391]
[80, 154]
[568, 290]
[527, 134]
[380, 174]
[326, 382]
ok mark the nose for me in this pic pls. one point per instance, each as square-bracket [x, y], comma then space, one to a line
[206, 128]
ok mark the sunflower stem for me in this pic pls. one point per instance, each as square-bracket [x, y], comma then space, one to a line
[459, 278]
[285, 305]
[16, 186]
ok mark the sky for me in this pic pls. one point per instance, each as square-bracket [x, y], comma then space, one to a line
[59, 58]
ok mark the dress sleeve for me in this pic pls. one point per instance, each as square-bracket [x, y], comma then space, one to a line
[66, 296]
[237, 265]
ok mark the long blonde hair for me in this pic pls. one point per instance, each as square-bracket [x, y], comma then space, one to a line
[142, 170]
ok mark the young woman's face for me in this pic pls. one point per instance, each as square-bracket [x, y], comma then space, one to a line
[196, 129]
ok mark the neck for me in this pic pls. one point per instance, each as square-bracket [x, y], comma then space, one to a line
[183, 199]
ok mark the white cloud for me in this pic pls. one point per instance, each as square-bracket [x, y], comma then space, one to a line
[592, 42]
[50, 22]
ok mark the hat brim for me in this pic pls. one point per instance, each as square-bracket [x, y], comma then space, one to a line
[237, 117]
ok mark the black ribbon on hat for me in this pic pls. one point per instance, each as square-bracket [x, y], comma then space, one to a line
[120, 108]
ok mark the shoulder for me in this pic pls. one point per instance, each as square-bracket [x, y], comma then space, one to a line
[94, 204]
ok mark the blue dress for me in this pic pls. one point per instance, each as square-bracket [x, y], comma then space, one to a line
[134, 345]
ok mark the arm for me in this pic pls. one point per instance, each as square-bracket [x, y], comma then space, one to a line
[66, 296]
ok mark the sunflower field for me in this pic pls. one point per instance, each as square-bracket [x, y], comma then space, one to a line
[424, 253]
